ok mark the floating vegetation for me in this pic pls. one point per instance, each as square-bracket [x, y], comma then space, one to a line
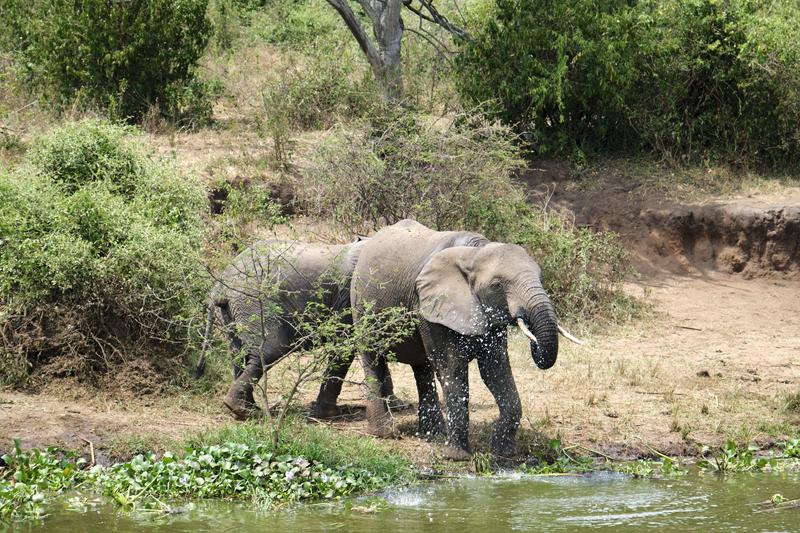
[229, 471]
[733, 458]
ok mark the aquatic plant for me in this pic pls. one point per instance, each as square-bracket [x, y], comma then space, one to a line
[28, 474]
[791, 448]
[483, 463]
[556, 459]
[228, 471]
[733, 458]
[30, 478]
[647, 468]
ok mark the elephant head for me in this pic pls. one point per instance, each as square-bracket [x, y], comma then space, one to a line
[471, 290]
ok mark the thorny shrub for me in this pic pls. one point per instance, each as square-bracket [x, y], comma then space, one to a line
[99, 256]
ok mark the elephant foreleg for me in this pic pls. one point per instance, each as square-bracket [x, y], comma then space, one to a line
[431, 421]
[451, 366]
[496, 374]
[240, 399]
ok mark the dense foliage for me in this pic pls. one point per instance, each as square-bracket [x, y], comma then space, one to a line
[719, 79]
[239, 469]
[121, 56]
[691, 79]
[555, 68]
[99, 253]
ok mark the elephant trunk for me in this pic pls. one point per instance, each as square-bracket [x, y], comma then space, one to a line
[541, 318]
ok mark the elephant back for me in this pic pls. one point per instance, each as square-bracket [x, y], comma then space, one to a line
[390, 261]
[297, 270]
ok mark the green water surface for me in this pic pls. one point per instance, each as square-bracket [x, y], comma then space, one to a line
[599, 501]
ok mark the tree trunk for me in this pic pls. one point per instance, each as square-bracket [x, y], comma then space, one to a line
[388, 34]
[384, 55]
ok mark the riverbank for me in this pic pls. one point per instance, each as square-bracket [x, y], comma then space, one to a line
[716, 361]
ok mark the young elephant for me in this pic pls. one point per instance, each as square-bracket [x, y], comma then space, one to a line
[255, 300]
[467, 291]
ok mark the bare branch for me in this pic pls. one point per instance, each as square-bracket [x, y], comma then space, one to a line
[427, 11]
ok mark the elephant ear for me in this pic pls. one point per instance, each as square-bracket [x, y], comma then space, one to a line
[445, 294]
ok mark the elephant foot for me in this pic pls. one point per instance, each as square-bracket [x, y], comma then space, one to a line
[456, 453]
[325, 411]
[504, 448]
[243, 411]
[396, 404]
[240, 402]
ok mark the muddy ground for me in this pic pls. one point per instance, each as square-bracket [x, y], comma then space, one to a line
[719, 358]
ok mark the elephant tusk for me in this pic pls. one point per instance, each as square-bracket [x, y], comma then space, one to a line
[569, 336]
[526, 331]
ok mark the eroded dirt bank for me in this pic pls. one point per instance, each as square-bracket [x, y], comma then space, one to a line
[749, 232]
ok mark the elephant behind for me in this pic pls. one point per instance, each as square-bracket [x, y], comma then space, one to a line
[467, 291]
[256, 299]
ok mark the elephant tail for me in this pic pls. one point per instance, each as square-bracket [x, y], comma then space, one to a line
[200, 369]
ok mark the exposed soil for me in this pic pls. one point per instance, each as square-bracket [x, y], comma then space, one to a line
[720, 359]
[69, 420]
[756, 234]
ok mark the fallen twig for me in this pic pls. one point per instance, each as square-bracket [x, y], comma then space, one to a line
[658, 453]
[91, 450]
[596, 452]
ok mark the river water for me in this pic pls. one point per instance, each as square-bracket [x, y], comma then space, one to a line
[601, 501]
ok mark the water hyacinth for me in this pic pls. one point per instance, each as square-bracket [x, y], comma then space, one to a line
[229, 471]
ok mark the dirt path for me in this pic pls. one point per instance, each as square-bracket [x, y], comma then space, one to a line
[41, 420]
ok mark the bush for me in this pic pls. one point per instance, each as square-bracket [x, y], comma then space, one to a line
[297, 23]
[120, 56]
[459, 176]
[314, 96]
[556, 69]
[692, 80]
[719, 80]
[405, 166]
[99, 256]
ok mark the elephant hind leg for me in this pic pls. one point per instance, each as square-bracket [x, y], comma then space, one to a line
[375, 371]
[331, 387]
[256, 355]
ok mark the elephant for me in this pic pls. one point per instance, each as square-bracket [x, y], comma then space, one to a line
[466, 291]
[256, 299]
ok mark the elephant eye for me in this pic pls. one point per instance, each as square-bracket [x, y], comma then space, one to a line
[496, 284]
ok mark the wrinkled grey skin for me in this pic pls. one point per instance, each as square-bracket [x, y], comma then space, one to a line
[467, 291]
[297, 271]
